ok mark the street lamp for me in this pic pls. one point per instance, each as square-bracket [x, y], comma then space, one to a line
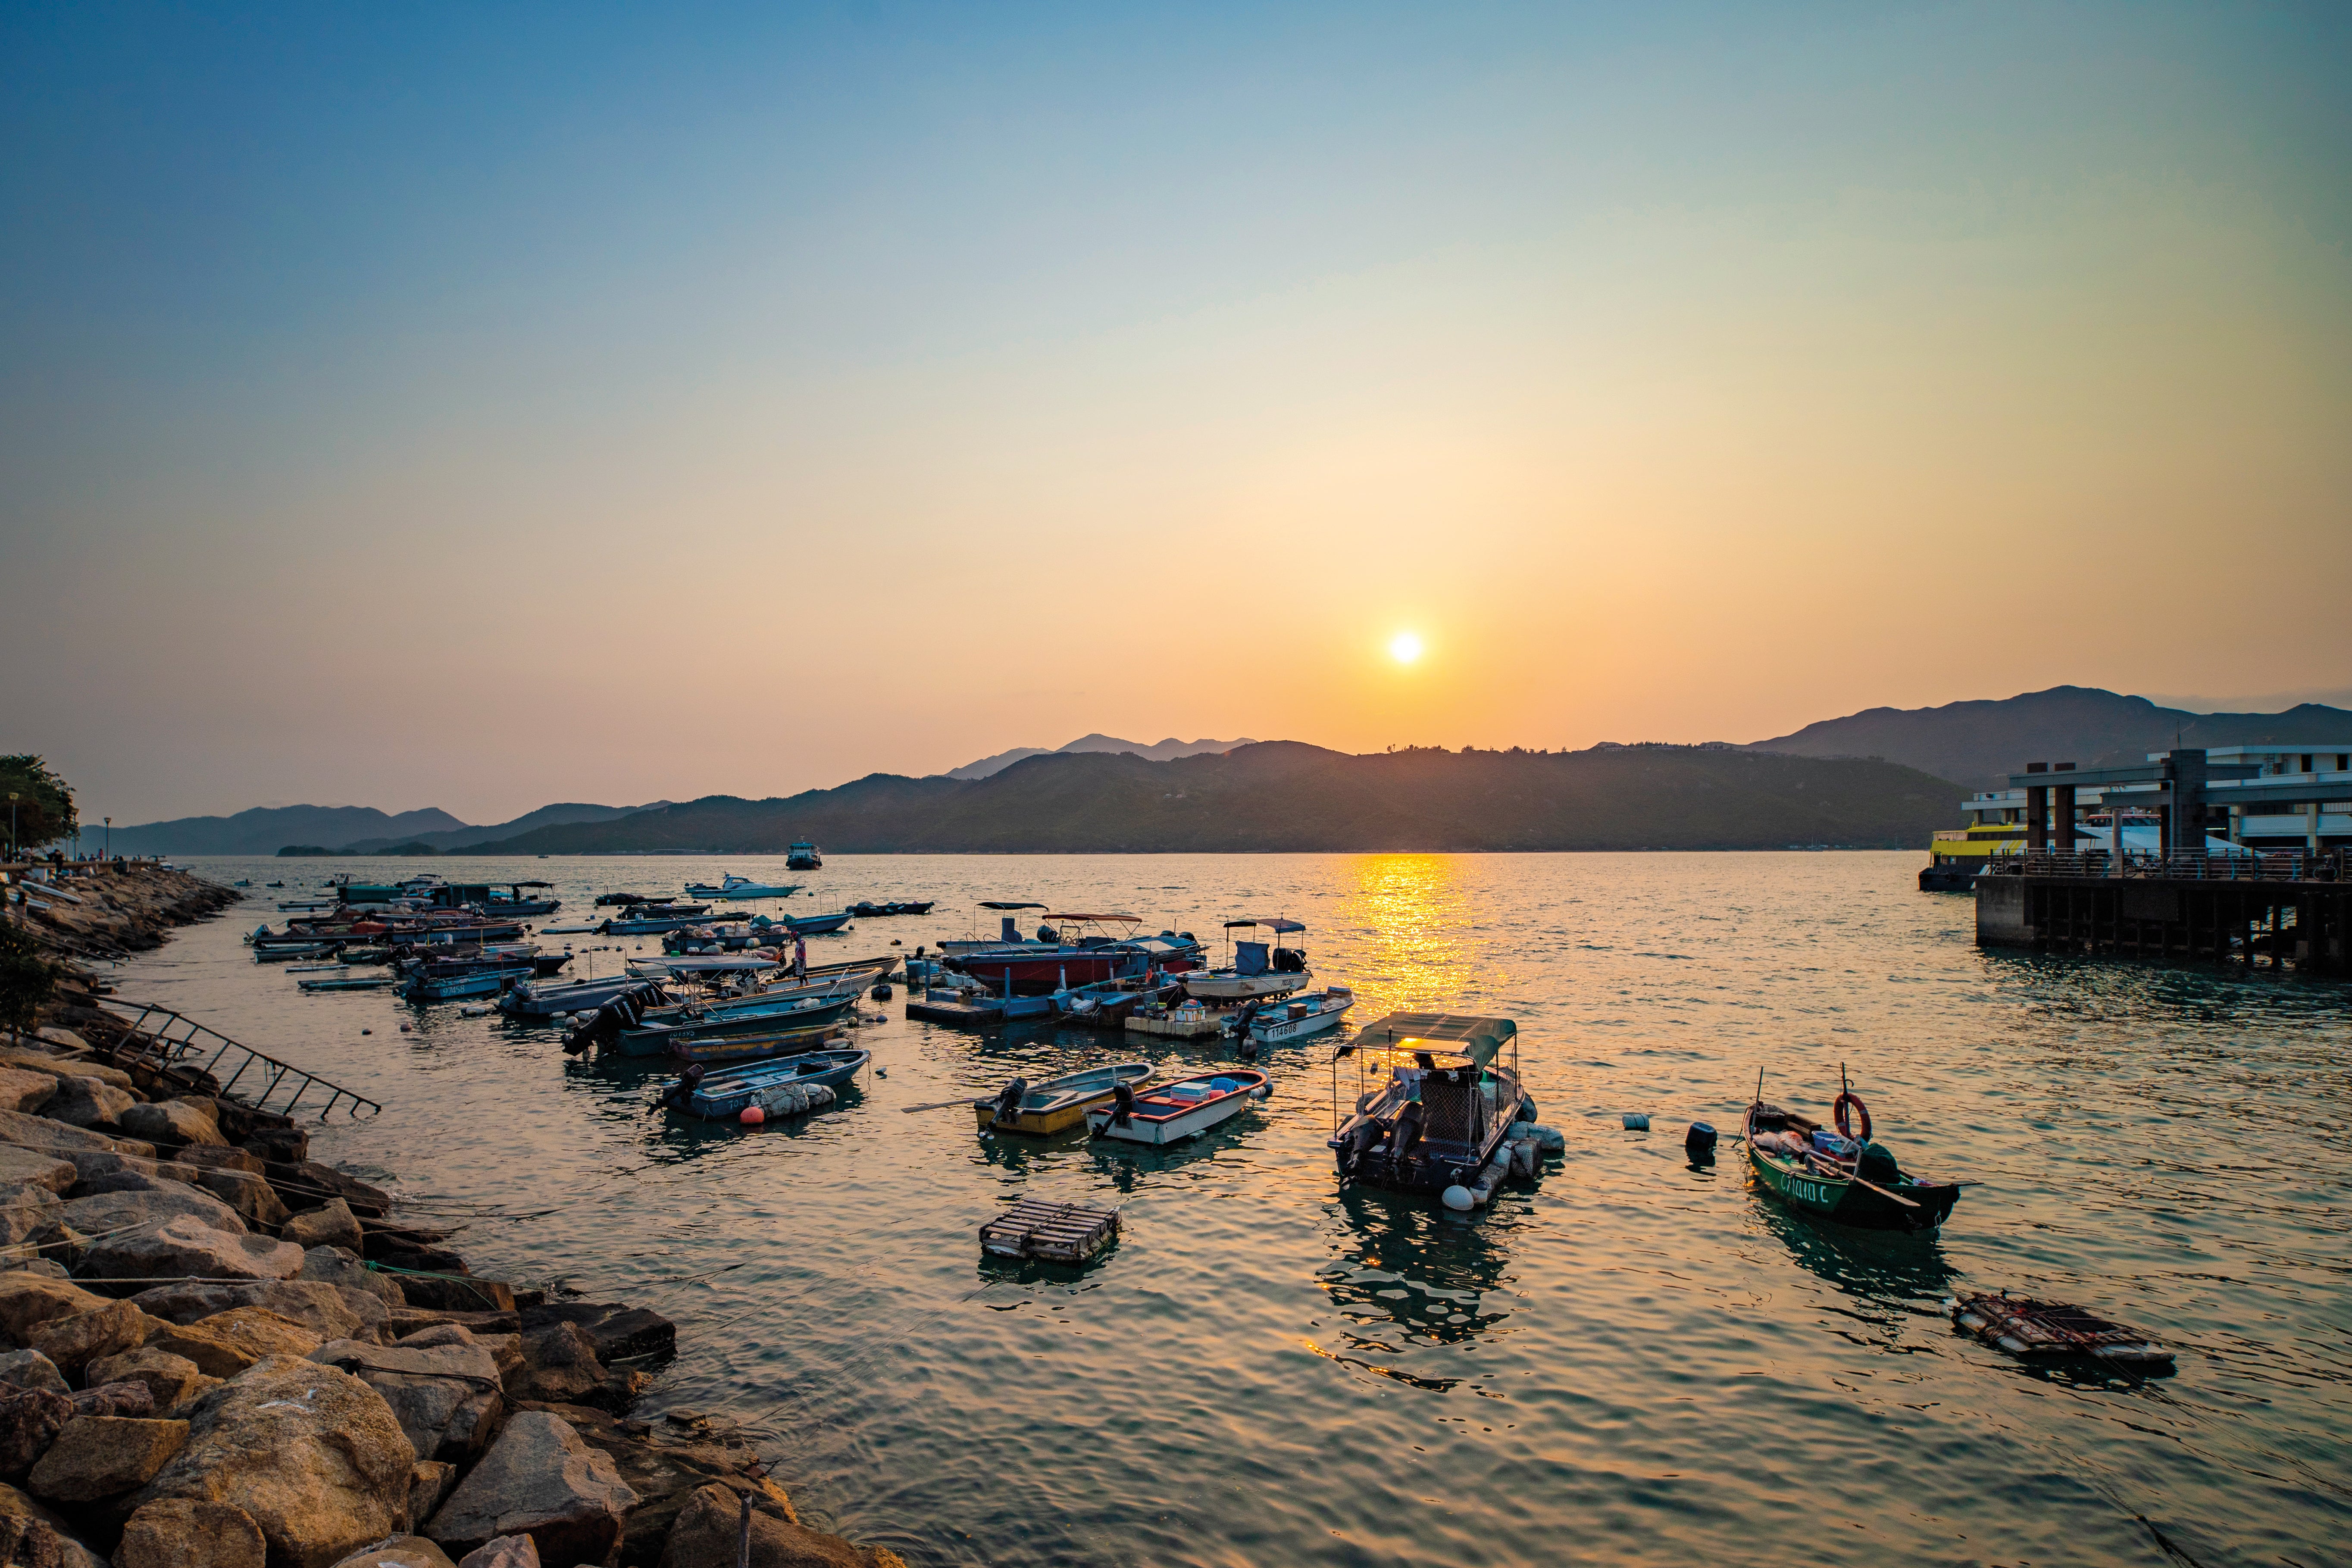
[11, 824]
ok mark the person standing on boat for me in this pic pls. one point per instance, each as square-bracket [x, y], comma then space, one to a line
[800, 957]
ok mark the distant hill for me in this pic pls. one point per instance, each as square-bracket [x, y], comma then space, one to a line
[1283, 795]
[1980, 743]
[264, 829]
[345, 830]
[1166, 750]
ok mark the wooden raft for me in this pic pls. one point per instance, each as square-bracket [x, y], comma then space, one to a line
[1058, 1233]
[2025, 1327]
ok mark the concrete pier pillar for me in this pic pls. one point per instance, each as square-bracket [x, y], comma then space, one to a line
[2037, 810]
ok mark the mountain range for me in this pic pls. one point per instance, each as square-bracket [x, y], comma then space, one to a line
[1980, 743]
[1958, 747]
[1284, 796]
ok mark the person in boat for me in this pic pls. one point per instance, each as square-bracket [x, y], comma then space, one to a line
[800, 957]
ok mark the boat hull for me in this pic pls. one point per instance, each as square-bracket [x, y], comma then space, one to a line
[1225, 985]
[1063, 1101]
[1161, 1129]
[1850, 1203]
[1275, 1031]
[745, 1048]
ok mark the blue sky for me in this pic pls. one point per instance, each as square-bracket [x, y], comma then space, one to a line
[880, 387]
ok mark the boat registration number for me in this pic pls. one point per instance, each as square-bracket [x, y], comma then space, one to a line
[1805, 1192]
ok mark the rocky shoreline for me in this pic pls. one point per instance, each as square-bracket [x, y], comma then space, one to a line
[217, 1353]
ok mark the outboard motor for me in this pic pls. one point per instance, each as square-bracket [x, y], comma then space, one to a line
[682, 1088]
[1289, 960]
[1049, 936]
[1122, 1100]
[1008, 1104]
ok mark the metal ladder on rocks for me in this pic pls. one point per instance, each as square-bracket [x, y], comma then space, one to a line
[189, 1053]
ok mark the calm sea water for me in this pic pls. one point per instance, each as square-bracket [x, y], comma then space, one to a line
[1636, 1361]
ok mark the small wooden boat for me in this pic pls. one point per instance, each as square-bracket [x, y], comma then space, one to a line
[1295, 1016]
[1172, 1112]
[278, 954]
[365, 954]
[480, 983]
[647, 925]
[723, 1094]
[2045, 1331]
[349, 983]
[1839, 1177]
[651, 1038]
[533, 1000]
[864, 909]
[316, 968]
[1057, 1104]
[707, 1048]
[815, 925]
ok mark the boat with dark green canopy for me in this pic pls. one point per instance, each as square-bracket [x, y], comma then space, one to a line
[1840, 1175]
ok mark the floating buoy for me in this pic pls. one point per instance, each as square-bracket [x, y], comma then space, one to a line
[882, 992]
[367, 1031]
[1699, 1142]
[405, 1029]
[1457, 1198]
[753, 1116]
[881, 1073]
[1636, 1123]
[1263, 1092]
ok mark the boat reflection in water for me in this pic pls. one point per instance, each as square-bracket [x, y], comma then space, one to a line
[1408, 1280]
[1890, 1275]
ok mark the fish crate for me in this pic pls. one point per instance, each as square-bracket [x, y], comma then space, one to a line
[1056, 1233]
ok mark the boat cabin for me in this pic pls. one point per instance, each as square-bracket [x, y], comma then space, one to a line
[1265, 957]
[1435, 1100]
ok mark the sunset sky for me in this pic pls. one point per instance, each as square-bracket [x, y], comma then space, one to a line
[478, 407]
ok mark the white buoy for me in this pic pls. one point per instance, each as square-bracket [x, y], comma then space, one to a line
[1636, 1123]
[1458, 1198]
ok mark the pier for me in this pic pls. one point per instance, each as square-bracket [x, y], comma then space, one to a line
[2194, 897]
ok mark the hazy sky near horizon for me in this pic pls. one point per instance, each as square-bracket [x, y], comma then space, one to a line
[480, 407]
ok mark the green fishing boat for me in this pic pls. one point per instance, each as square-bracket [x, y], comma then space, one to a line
[1843, 1176]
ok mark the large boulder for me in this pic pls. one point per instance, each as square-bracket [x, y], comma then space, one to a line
[505, 1552]
[87, 1102]
[666, 1467]
[334, 1266]
[709, 1528]
[35, 1167]
[27, 1300]
[429, 1485]
[72, 1344]
[30, 1419]
[32, 1220]
[169, 1378]
[185, 1248]
[32, 1537]
[312, 1454]
[253, 1198]
[64, 1067]
[331, 1313]
[221, 1157]
[307, 1181]
[613, 1329]
[330, 1225]
[91, 1166]
[31, 1369]
[399, 1552]
[24, 1092]
[226, 1343]
[443, 1388]
[98, 1457]
[188, 1532]
[41, 1132]
[95, 1215]
[134, 1399]
[169, 1121]
[560, 1367]
[537, 1480]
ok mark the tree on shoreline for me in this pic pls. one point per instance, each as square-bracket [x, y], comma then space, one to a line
[45, 802]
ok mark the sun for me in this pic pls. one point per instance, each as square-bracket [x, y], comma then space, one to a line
[1404, 647]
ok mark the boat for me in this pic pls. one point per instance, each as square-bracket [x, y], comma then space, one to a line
[532, 999]
[480, 983]
[802, 856]
[635, 925]
[866, 910]
[1258, 969]
[1294, 1017]
[1057, 1104]
[483, 896]
[815, 925]
[1181, 1109]
[691, 1047]
[274, 953]
[349, 983]
[1839, 1176]
[2055, 1331]
[684, 964]
[1070, 950]
[625, 901]
[1110, 1005]
[721, 1096]
[651, 1038]
[734, 887]
[1435, 1104]
[570, 928]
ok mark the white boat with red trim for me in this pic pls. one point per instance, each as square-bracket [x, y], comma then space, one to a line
[1182, 1108]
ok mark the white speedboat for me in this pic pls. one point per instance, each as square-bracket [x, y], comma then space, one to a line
[1171, 1112]
[1257, 968]
[1300, 1014]
[734, 887]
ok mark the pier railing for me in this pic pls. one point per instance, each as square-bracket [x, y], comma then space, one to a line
[194, 1055]
[2255, 865]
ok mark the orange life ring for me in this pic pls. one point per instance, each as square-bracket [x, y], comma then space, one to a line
[1844, 1099]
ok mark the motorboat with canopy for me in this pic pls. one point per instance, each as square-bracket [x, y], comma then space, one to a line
[1255, 968]
[1436, 1096]
[1071, 950]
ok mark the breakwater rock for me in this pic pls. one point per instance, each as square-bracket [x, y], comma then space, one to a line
[102, 909]
[218, 1353]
